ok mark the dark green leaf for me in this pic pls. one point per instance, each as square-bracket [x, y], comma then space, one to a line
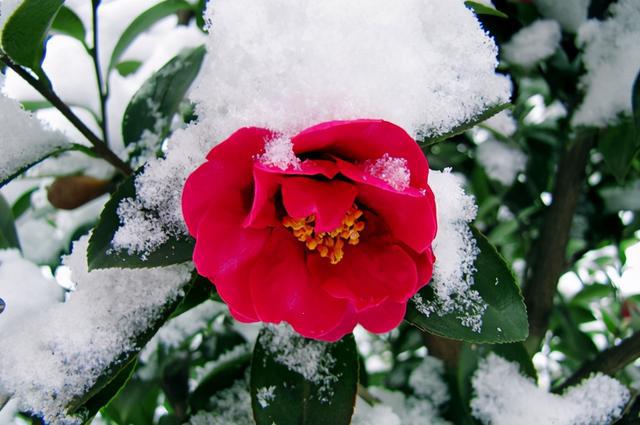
[101, 254]
[635, 104]
[135, 404]
[68, 23]
[24, 33]
[90, 408]
[8, 234]
[153, 106]
[482, 9]
[22, 204]
[297, 401]
[488, 113]
[618, 145]
[504, 320]
[128, 67]
[142, 23]
[219, 378]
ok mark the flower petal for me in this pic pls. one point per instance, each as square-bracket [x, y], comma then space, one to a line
[328, 200]
[383, 318]
[361, 140]
[282, 289]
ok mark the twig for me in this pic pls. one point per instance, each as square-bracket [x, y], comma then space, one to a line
[608, 361]
[549, 253]
[102, 90]
[99, 146]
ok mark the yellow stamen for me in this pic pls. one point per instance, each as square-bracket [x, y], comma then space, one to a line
[328, 244]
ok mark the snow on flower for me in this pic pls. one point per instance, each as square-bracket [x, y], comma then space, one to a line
[278, 152]
[598, 400]
[315, 246]
[612, 59]
[533, 43]
[58, 353]
[287, 64]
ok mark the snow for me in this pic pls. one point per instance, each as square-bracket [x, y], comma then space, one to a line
[570, 14]
[612, 59]
[598, 400]
[307, 357]
[426, 381]
[24, 290]
[57, 354]
[501, 161]
[533, 43]
[265, 395]
[278, 153]
[24, 139]
[393, 171]
[231, 406]
[503, 123]
[455, 250]
[408, 410]
[287, 65]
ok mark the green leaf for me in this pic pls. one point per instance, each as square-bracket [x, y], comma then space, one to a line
[135, 404]
[635, 104]
[467, 125]
[504, 320]
[297, 401]
[142, 23]
[619, 145]
[91, 407]
[68, 23]
[153, 106]
[8, 234]
[100, 253]
[23, 203]
[128, 67]
[57, 151]
[24, 33]
[482, 9]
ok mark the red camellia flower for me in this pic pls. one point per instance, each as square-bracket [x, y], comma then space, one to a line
[325, 230]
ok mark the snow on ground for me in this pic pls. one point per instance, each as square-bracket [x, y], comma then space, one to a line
[612, 59]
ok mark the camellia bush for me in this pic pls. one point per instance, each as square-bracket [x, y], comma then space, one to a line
[319, 212]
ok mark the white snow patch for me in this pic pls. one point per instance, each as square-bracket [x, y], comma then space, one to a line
[427, 383]
[612, 58]
[265, 395]
[24, 290]
[393, 171]
[307, 357]
[456, 251]
[24, 139]
[504, 397]
[409, 410]
[278, 153]
[503, 123]
[570, 14]
[501, 161]
[533, 43]
[59, 353]
[231, 406]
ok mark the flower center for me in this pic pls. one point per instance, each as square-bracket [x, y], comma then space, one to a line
[328, 244]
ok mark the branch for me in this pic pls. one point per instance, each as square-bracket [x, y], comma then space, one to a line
[99, 146]
[102, 92]
[608, 361]
[369, 398]
[549, 253]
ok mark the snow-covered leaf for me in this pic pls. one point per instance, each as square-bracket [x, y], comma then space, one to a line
[24, 33]
[159, 98]
[505, 318]
[102, 255]
[142, 23]
[299, 381]
[8, 234]
[467, 125]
